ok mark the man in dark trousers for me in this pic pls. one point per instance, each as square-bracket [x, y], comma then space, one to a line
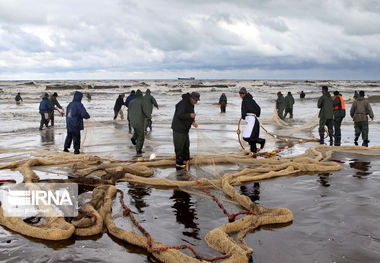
[289, 102]
[359, 111]
[55, 104]
[117, 108]
[75, 114]
[183, 118]
[130, 97]
[149, 102]
[280, 105]
[250, 111]
[136, 115]
[339, 114]
[45, 108]
[223, 102]
[326, 114]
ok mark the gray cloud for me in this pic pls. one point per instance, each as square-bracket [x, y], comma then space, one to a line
[210, 36]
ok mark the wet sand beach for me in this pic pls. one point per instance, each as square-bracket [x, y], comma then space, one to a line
[335, 213]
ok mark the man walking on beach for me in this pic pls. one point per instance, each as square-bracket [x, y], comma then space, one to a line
[359, 111]
[280, 105]
[250, 111]
[183, 118]
[45, 108]
[339, 114]
[130, 97]
[223, 102]
[149, 102]
[75, 114]
[55, 104]
[117, 108]
[325, 104]
[289, 102]
[137, 114]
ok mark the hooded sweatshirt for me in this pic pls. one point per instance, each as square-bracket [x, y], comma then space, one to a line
[75, 113]
[45, 105]
[149, 101]
[136, 111]
[181, 119]
[249, 105]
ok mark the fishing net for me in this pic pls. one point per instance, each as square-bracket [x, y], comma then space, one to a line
[103, 173]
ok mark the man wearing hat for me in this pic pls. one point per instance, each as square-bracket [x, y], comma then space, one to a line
[55, 105]
[44, 109]
[184, 117]
[250, 111]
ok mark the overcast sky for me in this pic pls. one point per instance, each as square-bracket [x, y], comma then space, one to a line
[144, 39]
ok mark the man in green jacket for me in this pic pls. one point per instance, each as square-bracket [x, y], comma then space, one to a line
[359, 111]
[289, 101]
[149, 102]
[280, 105]
[55, 104]
[326, 114]
[137, 114]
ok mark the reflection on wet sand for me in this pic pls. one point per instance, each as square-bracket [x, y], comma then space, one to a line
[251, 190]
[363, 168]
[324, 179]
[138, 193]
[47, 137]
[185, 213]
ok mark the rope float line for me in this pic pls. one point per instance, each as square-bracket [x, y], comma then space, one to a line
[128, 212]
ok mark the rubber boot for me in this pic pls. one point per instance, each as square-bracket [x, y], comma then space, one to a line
[261, 142]
[356, 141]
[365, 143]
[253, 148]
[321, 140]
[337, 141]
[331, 141]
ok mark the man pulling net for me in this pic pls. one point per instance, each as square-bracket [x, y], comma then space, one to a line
[250, 111]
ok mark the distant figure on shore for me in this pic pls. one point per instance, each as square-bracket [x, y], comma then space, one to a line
[222, 102]
[130, 97]
[18, 99]
[44, 109]
[55, 104]
[280, 105]
[184, 117]
[359, 111]
[137, 114]
[302, 95]
[250, 111]
[289, 102]
[117, 109]
[88, 95]
[75, 114]
[326, 114]
[149, 102]
[356, 95]
[339, 114]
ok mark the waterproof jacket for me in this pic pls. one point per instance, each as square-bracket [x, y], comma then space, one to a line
[280, 103]
[249, 105]
[360, 109]
[45, 105]
[289, 101]
[18, 97]
[75, 113]
[54, 102]
[181, 119]
[149, 101]
[325, 103]
[119, 102]
[339, 107]
[223, 100]
[136, 111]
[129, 99]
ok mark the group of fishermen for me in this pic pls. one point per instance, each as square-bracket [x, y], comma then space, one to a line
[284, 104]
[332, 112]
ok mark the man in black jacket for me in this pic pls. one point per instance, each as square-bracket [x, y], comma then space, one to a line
[183, 118]
[250, 110]
[117, 108]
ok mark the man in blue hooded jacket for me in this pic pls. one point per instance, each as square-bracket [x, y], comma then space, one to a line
[75, 114]
[45, 108]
